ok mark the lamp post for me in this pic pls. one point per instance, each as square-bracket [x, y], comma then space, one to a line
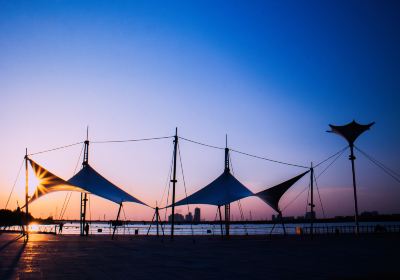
[350, 132]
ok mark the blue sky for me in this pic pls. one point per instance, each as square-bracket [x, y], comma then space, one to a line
[270, 74]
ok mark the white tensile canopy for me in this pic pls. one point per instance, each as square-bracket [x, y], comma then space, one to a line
[90, 180]
[48, 182]
[223, 190]
[87, 180]
[272, 195]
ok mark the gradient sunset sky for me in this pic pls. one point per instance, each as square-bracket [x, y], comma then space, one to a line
[270, 74]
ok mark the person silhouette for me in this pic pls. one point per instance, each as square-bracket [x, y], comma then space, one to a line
[87, 229]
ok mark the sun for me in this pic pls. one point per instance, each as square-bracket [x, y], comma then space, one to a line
[33, 227]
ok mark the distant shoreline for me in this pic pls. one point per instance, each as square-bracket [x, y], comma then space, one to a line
[10, 218]
[339, 219]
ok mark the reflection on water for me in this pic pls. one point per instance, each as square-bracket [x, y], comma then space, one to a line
[106, 228]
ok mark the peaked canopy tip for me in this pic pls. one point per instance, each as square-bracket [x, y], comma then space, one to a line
[350, 131]
[273, 195]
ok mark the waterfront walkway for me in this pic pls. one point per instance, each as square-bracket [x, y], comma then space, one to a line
[252, 257]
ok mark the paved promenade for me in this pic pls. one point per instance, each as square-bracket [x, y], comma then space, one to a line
[140, 257]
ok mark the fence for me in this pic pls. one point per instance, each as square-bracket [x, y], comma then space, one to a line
[215, 229]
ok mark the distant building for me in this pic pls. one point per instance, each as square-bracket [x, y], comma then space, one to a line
[189, 217]
[178, 218]
[339, 217]
[369, 213]
[196, 215]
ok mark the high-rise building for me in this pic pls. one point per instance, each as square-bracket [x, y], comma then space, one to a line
[178, 218]
[189, 217]
[196, 215]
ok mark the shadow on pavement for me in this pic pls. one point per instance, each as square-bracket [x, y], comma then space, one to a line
[7, 273]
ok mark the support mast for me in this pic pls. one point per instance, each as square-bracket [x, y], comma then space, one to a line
[352, 158]
[26, 195]
[220, 220]
[157, 219]
[174, 182]
[84, 195]
[227, 206]
[312, 215]
[116, 221]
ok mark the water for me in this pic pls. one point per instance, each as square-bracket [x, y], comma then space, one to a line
[105, 228]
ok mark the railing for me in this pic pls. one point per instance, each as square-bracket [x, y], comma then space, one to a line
[364, 229]
[215, 229]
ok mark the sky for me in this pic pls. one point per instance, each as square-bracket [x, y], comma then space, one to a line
[270, 74]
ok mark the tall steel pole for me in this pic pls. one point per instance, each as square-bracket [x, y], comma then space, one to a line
[157, 219]
[227, 206]
[84, 195]
[351, 132]
[174, 183]
[26, 195]
[352, 158]
[116, 221]
[312, 199]
[220, 220]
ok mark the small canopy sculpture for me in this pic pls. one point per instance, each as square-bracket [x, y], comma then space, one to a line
[351, 132]
[273, 195]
